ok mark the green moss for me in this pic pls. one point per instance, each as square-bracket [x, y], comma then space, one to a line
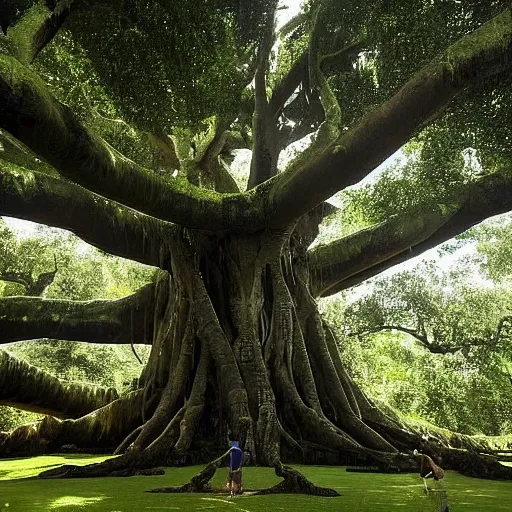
[23, 32]
[22, 79]
[494, 34]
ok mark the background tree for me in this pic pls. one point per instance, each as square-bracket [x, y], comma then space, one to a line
[136, 157]
[433, 342]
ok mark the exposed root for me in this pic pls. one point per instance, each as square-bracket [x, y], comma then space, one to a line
[199, 482]
[294, 482]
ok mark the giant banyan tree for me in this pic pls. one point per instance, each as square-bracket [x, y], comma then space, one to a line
[119, 121]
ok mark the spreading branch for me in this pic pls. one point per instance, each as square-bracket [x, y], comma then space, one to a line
[26, 387]
[32, 115]
[480, 54]
[434, 345]
[364, 254]
[121, 321]
[105, 224]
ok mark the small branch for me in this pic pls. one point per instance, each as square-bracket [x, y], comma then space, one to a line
[413, 332]
[99, 321]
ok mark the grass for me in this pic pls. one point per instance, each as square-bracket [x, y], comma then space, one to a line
[361, 492]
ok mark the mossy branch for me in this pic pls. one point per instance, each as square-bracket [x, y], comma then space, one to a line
[26, 387]
[120, 321]
[105, 224]
[330, 127]
[265, 151]
[350, 260]
[38, 26]
[32, 115]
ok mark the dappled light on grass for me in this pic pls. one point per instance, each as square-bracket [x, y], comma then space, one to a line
[73, 501]
[29, 467]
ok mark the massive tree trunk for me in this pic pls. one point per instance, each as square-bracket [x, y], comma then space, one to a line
[239, 352]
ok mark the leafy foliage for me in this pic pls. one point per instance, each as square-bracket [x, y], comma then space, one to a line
[396, 336]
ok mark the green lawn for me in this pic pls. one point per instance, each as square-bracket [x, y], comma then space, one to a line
[360, 491]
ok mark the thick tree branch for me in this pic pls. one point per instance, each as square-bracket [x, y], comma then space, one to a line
[26, 387]
[339, 260]
[122, 321]
[51, 130]
[265, 150]
[355, 258]
[484, 52]
[105, 224]
[38, 25]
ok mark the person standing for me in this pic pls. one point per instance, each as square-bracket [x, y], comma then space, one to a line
[236, 458]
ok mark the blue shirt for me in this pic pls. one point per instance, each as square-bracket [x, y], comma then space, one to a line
[236, 457]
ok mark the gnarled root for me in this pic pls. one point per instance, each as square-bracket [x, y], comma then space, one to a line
[294, 482]
[199, 482]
